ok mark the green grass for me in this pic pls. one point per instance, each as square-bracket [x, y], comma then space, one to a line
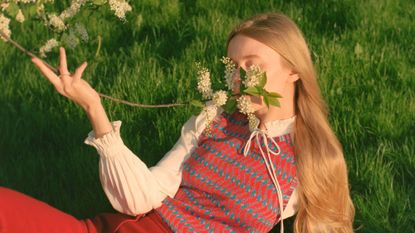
[371, 96]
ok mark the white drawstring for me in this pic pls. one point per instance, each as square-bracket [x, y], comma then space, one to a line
[268, 162]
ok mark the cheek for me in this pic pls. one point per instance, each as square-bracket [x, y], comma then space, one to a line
[275, 81]
[275, 84]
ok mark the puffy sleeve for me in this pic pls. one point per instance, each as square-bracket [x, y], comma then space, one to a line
[131, 187]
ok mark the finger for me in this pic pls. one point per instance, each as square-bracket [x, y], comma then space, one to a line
[67, 81]
[79, 71]
[46, 71]
[63, 68]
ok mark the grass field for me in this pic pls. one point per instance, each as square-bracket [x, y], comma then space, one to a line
[363, 51]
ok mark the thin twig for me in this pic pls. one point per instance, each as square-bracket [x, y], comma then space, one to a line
[142, 105]
[17, 45]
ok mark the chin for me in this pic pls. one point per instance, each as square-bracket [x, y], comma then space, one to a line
[261, 110]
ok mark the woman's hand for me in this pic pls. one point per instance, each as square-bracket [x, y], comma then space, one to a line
[70, 85]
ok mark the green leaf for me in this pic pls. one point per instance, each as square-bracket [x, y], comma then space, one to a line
[12, 9]
[252, 91]
[262, 91]
[242, 73]
[266, 100]
[263, 80]
[274, 94]
[242, 76]
[197, 103]
[274, 101]
[230, 105]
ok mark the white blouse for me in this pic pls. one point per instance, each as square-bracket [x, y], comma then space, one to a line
[133, 188]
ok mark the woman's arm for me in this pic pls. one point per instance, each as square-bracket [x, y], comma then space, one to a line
[99, 119]
[133, 188]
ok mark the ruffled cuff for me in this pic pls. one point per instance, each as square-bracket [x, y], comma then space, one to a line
[108, 144]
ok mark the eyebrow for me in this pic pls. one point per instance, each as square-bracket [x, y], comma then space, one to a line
[247, 57]
[250, 56]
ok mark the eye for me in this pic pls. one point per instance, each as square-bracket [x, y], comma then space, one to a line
[251, 62]
[248, 64]
[235, 63]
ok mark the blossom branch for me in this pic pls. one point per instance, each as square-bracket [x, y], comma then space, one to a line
[17, 45]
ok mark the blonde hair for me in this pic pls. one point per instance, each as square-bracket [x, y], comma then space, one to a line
[323, 190]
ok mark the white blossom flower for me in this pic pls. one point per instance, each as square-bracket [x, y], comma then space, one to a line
[4, 26]
[230, 69]
[203, 82]
[209, 112]
[72, 10]
[20, 17]
[253, 121]
[244, 105]
[26, 1]
[80, 30]
[56, 22]
[49, 45]
[4, 6]
[120, 7]
[219, 98]
[252, 76]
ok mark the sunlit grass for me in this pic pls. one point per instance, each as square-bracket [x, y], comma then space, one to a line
[363, 53]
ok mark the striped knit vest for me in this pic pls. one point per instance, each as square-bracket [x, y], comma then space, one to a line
[224, 191]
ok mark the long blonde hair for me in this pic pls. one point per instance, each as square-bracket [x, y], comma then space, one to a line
[323, 190]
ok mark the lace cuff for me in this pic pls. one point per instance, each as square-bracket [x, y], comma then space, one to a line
[108, 144]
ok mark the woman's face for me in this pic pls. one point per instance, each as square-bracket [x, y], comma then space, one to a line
[245, 51]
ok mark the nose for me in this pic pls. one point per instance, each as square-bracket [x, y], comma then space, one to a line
[236, 82]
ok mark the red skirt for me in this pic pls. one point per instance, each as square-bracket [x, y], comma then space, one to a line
[21, 213]
[121, 223]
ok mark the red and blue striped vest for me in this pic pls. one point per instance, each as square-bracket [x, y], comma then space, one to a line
[224, 191]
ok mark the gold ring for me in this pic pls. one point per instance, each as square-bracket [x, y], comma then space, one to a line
[64, 74]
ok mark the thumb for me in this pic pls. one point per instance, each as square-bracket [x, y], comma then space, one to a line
[79, 71]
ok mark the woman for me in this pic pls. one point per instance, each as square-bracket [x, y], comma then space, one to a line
[234, 179]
